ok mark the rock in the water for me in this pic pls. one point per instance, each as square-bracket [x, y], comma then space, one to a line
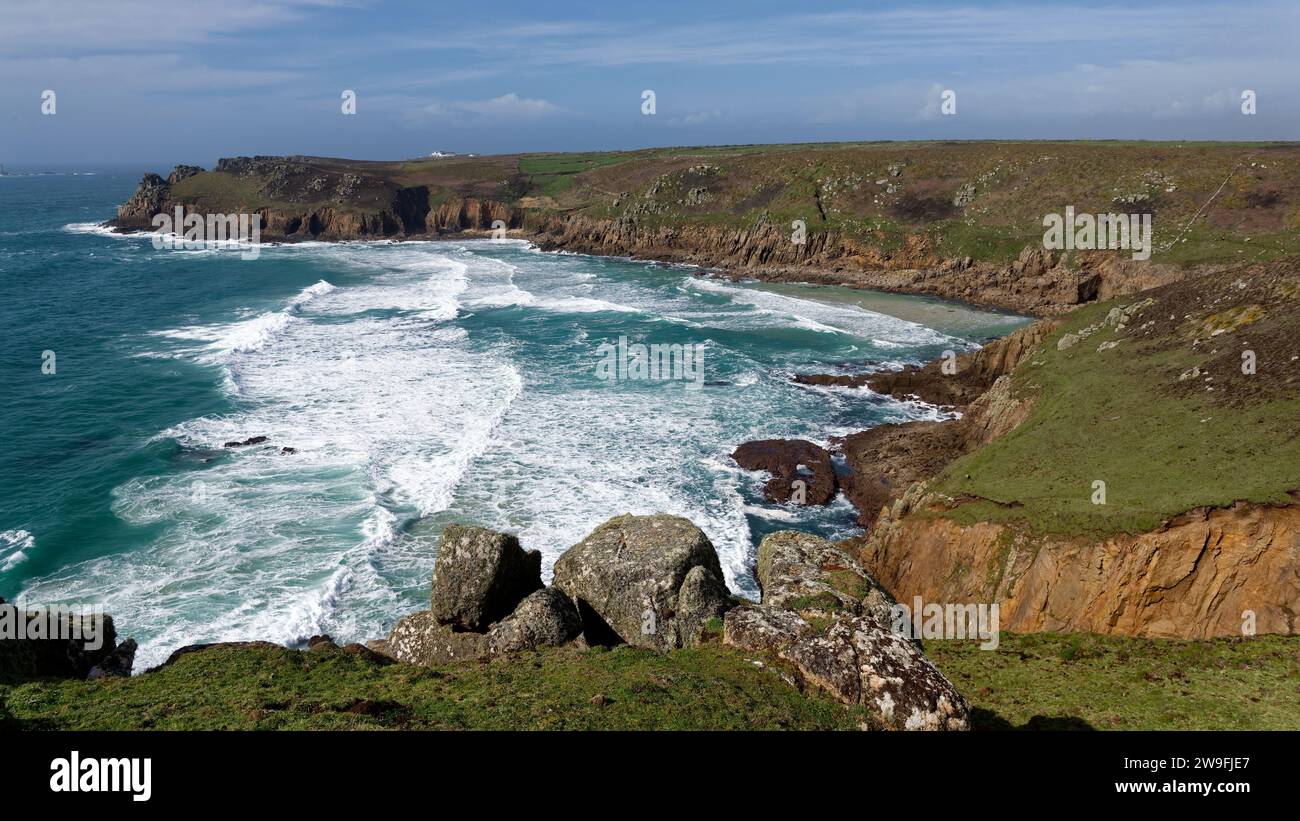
[790, 460]
[252, 440]
[829, 619]
[480, 576]
[546, 618]
[629, 579]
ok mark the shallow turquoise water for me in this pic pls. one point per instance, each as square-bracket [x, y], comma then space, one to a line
[419, 383]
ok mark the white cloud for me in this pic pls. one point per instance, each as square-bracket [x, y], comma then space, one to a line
[506, 107]
[697, 117]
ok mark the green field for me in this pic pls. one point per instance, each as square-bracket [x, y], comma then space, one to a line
[1042, 681]
[1047, 681]
[713, 687]
[1122, 416]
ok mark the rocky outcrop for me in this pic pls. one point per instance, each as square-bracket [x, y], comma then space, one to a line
[307, 198]
[788, 461]
[472, 214]
[479, 577]
[546, 618]
[885, 460]
[54, 643]
[486, 599]
[969, 374]
[648, 581]
[149, 199]
[829, 619]
[1200, 575]
[1039, 282]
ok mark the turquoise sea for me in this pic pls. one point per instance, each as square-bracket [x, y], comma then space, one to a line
[417, 383]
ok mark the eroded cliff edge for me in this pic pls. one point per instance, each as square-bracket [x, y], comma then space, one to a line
[1135, 471]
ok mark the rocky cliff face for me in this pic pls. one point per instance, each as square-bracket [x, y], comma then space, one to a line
[887, 459]
[1201, 575]
[299, 200]
[1210, 571]
[1039, 282]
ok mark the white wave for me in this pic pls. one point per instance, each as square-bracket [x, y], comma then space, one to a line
[311, 292]
[825, 317]
[14, 545]
[406, 413]
[386, 407]
[98, 229]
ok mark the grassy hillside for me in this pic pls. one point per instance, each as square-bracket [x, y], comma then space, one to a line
[712, 687]
[1036, 682]
[1160, 410]
[1050, 681]
[985, 200]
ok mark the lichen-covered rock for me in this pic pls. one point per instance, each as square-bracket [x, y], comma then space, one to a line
[627, 578]
[805, 573]
[823, 614]
[701, 598]
[546, 618]
[480, 576]
[421, 638]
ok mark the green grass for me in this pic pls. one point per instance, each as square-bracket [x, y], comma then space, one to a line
[711, 687]
[552, 174]
[1051, 681]
[227, 192]
[1040, 681]
[1255, 216]
[1110, 416]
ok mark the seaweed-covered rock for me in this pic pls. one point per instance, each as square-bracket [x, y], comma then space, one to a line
[480, 576]
[790, 460]
[629, 579]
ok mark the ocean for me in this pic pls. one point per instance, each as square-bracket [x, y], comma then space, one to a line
[417, 384]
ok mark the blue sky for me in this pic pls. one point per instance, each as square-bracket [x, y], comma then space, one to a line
[184, 81]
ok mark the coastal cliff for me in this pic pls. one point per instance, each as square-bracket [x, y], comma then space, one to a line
[1207, 572]
[298, 199]
[1197, 533]
[955, 220]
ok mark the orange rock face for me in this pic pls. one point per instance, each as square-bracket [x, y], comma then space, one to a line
[1199, 576]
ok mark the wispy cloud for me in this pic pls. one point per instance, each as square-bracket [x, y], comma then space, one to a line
[913, 35]
[505, 107]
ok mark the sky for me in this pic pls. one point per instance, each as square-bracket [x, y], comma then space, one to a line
[139, 82]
